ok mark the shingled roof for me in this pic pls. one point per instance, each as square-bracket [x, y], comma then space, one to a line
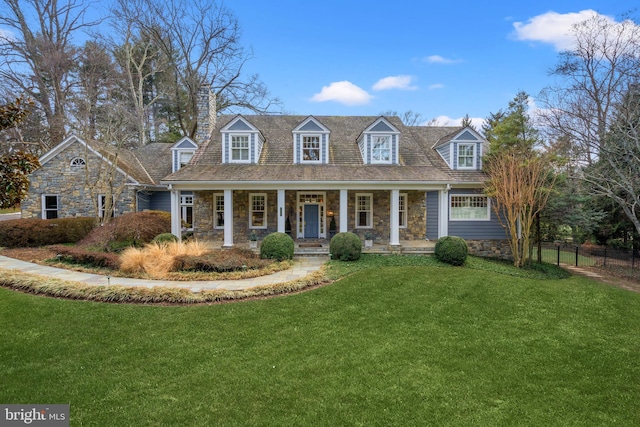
[418, 161]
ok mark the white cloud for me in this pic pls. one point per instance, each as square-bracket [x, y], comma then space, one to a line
[477, 122]
[437, 59]
[552, 27]
[436, 86]
[343, 92]
[395, 82]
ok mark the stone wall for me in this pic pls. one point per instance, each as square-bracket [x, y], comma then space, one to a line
[77, 187]
[490, 248]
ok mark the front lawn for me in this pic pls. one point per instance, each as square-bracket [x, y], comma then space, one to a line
[391, 345]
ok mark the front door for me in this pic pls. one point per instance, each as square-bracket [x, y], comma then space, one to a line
[311, 221]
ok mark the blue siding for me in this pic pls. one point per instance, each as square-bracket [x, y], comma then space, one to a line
[466, 136]
[156, 201]
[394, 143]
[186, 144]
[368, 161]
[240, 125]
[381, 127]
[432, 215]
[324, 155]
[297, 149]
[252, 148]
[225, 147]
[311, 126]
[445, 152]
[476, 230]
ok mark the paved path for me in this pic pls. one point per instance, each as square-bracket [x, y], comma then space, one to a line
[302, 267]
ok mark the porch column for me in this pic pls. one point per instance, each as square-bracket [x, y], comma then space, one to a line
[394, 224]
[443, 213]
[228, 219]
[176, 228]
[344, 211]
[281, 209]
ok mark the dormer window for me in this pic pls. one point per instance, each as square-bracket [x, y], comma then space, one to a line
[466, 156]
[381, 149]
[185, 158]
[311, 149]
[311, 142]
[182, 152]
[240, 148]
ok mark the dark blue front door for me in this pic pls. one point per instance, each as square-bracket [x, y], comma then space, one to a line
[311, 221]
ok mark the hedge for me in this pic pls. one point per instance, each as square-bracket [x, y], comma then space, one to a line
[20, 233]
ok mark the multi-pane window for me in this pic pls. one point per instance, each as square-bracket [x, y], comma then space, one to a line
[402, 210]
[364, 212]
[469, 208]
[258, 211]
[311, 148]
[466, 156]
[239, 148]
[184, 158]
[186, 211]
[77, 163]
[381, 149]
[102, 206]
[50, 206]
[218, 211]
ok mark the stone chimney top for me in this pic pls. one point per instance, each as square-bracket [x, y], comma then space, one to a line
[206, 113]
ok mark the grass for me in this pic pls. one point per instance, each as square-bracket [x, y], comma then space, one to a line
[396, 344]
[566, 257]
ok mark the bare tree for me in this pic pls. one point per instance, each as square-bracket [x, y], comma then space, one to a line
[37, 55]
[409, 117]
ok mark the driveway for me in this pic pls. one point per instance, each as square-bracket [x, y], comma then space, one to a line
[5, 217]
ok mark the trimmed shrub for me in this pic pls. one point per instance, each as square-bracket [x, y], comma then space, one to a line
[278, 246]
[451, 250]
[235, 259]
[21, 233]
[82, 256]
[164, 238]
[345, 247]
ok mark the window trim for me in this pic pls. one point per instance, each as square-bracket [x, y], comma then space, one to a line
[44, 206]
[302, 148]
[101, 199]
[183, 152]
[369, 224]
[389, 148]
[251, 211]
[403, 214]
[473, 156]
[451, 196]
[77, 163]
[248, 149]
[217, 226]
[184, 205]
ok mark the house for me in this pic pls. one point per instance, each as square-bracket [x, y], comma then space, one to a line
[260, 173]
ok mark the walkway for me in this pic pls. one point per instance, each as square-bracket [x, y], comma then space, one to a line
[302, 267]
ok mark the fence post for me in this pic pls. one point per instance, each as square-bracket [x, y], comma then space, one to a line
[558, 255]
[576, 256]
[605, 256]
[633, 257]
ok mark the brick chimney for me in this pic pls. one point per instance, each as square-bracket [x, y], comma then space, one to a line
[206, 113]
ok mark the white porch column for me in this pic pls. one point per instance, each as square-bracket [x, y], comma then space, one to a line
[443, 213]
[394, 224]
[281, 209]
[344, 211]
[228, 219]
[176, 228]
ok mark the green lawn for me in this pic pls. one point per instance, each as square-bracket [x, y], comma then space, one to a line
[392, 345]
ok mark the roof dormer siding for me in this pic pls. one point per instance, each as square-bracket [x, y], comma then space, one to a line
[379, 143]
[241, 142]
[311, 142]
[181, 153]
[462, 151]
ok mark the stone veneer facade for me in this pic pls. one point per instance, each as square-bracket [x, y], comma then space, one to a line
[76, 187]
[490, 248]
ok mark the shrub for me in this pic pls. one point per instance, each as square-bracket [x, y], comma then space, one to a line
[278, 246]
[19, 233]
[131, 229]
[158, 259]
[345, 247]
[164, 238]
[221, 261]
[79, 255]
[451, 250]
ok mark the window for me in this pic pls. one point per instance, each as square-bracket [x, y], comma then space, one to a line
[311, 149]
[102, 205]
[77, 163]
[186, 211]
[258, 211]
[402, 209]
[218, 211]
[184, 158]
[50, 206]
[470, 208]
[466, 156]
[364, 214]
[240, 148]
[381, 149]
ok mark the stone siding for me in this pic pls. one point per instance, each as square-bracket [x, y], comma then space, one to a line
[77, 188]
[490, 248]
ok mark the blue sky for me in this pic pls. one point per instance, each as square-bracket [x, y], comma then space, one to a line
[440, 59]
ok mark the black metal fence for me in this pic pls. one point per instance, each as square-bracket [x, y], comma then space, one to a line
[587, 256]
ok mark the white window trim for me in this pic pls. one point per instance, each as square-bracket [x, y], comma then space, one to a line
[473, 163]
[302, 160]
[404, 214]
[180, 153]
[183, 209]
[235, 135]
[216, 211]
[101, 200]
[77, 163]
[44, 205]
[390, 149]
[257, 227]
[357, 211]
[488, 218]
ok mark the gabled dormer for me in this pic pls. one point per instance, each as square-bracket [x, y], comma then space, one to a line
[182, 152]
[311, 142]
[462, 150]
[241, 142]
[379, 143]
